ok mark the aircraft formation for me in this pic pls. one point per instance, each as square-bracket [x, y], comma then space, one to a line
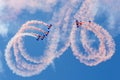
[41, 37]
[45, 34]
[22, 64]
[80, 23]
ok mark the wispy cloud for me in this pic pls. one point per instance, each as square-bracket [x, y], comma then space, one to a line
[3, 29]
[112, 10]
[30, 5]
[1, 5]
[109, 4]
[10, 9]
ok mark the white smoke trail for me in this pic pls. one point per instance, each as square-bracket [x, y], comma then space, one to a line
[87, 11]
[59, 40]
[62, 20]
[106, 46]
[23, 68]
[94, 57]
[23, 64]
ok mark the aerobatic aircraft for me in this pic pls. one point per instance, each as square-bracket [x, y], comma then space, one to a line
[77, 23]
[80, 23]
[49, 26]
[89, 21]
[47, 33]
[40, 37]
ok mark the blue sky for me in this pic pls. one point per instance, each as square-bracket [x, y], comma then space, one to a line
[66, 67]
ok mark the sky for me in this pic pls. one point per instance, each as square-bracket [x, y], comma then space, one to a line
[90, 52]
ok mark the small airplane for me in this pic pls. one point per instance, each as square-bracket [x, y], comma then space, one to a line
[49, 26]
[47, 33]
[80, 23]
[77, 23]
[40, 37]
[89, 21]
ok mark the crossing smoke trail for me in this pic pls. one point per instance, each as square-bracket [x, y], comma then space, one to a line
[16, 43]
[23, 64]
[106, 46]
[62, 19]
[25, 67]
[59, 40]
